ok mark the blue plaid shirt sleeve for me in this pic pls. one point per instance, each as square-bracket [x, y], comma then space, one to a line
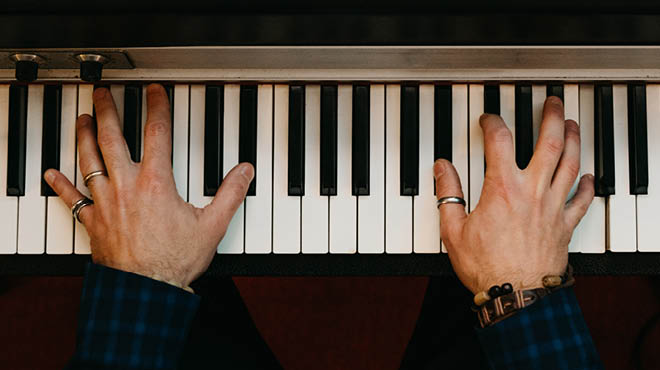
[128, 321]
[550, 334]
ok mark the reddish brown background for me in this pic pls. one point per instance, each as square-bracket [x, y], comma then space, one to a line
[321, 323]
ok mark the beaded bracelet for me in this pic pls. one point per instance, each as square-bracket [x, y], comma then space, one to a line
[502, 301]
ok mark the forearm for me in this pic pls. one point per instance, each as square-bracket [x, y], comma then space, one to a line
[550, 334]
[131, 322]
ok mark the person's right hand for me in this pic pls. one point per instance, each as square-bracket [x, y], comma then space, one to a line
[138, 222]
[520, 229]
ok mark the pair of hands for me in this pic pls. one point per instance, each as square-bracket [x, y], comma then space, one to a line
[518, 233]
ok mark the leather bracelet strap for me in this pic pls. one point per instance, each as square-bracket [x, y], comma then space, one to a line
[506, 305]
[499, 308]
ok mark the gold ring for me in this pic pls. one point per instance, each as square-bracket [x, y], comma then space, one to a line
[93, 175]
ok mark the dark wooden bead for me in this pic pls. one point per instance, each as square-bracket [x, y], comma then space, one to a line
[507, 288]
[495, 291]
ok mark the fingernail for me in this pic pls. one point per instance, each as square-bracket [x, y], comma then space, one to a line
[438, 169]
[247, 171]
[554, 100]
[49, 175]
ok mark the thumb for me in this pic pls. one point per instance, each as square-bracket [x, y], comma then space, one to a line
[448, 184]
[218, 214]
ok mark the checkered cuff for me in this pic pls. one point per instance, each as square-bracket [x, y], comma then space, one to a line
[549, 334]
[129, 321]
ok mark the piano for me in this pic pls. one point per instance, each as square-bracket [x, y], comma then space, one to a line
[342, 108]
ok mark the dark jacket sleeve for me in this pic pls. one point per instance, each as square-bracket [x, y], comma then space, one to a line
[128, 321]
[550, 334]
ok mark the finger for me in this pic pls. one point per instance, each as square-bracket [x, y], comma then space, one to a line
[110, 137]
[448, 184]
[88, 152]
[550, 144]
[569, 163]
[577, 207]
[157, 130]
[498, 144]
[68, 193]
[228, 198]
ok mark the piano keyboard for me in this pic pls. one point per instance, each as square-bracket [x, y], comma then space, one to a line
[340, 168]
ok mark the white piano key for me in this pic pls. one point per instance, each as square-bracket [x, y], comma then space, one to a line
[508, 107]
[477, 159]
[32, 206]
[343, 213]
[460, 138]
[59, 223]
[398, 209]
[85, 105]
[180, 139]
[591, 230]
[572, 111]
[572, 102]
[371, 208]
[286, 209]
[258, 208]
[426, 228]
[538, 99]
[314, 205]
[622, 225]
[233, 240]
[8, 205]
[648, 205]
[117, 92]
[196, 147]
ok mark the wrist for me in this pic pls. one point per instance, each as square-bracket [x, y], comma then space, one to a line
[149, 273]
[501, 302]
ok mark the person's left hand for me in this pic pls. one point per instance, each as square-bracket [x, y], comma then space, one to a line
[138, 222]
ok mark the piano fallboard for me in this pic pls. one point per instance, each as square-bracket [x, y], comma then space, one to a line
[335, 265]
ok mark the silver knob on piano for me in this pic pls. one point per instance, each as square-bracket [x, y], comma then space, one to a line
[91, 66]
[27, 66]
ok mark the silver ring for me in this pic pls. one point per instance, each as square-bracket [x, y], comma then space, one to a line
[79, 205]
[457, 200]
[93, 175]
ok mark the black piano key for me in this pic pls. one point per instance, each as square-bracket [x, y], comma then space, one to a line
[637, 139]
[360, 141]
[169, 90]
[524, 128]
[555, 90]
[16, 140]
[442, 122]
[604, 139]
[247, 137]
[329, 140]
[296, 150]
[133, 120]
[492, 99]
[50, 139]
[409, 140]
[442, 143]
[213, 138]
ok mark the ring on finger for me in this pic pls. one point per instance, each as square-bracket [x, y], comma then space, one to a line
[456, 200]
[92, 175]
[79, 205]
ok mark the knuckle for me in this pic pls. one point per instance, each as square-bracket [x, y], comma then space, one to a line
[554, 145]
[153, 182]
[107, 139]
[501, 135]
[156, 128]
